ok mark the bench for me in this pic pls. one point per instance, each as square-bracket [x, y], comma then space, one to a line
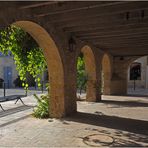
[10, 98]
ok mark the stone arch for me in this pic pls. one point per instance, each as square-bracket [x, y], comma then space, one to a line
[90, 67]
[106, 75]
[54, 64]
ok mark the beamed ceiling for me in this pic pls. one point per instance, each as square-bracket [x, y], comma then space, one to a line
[117, 27]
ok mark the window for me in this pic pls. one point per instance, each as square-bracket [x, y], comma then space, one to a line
[135, 71]
[1, 54]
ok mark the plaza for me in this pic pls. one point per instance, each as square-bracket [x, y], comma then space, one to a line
[110, 35]
[122, 118]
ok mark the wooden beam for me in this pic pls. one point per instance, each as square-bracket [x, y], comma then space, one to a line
[134, 49]
[72, 7]
[131, 56]
[117, 39]
[125, 51]
[34, 4]
[89, 21]
[93, 38]
[108, 25]
[114, 28]
[124, 30]
[122, 40]
[103, 11]
[121, 43]
[112, 34]
[127, 46]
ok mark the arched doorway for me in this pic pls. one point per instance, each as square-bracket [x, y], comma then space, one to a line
[106, 75]
[137, 77]
[54, 64]
[90, 68]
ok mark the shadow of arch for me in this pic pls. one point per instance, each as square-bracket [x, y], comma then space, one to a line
[90, 67]
[106, 75]
[54, 64]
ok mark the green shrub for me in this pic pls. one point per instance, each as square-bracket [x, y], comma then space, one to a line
[42, 108]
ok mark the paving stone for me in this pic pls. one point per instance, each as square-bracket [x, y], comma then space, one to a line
[115, 116]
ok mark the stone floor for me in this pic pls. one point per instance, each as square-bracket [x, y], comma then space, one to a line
[19, 91]
[138, 91]
[123, 118]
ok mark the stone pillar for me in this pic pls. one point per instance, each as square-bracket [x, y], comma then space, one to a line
[90, 68]
[91, 91]
[107, 85]
[99, 56]
[119, 76]
[107, 74]
[70, 83]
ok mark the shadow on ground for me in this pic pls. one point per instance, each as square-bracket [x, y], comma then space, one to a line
[121, 138]
[98, 119]
[133, 130]
[14, 110]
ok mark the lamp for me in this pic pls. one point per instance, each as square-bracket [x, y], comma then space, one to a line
[72, 44]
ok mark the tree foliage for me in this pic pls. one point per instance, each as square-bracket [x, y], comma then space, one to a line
[82, 76]
[28, 56]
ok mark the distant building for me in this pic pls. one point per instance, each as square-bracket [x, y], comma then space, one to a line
[8, 71]
[138, 72]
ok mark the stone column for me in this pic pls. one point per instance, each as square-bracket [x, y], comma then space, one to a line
[70, 82]
[119, 76]
[107, 74]
[99, 56]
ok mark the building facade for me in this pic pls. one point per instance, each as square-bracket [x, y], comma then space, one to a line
[8, 72]
[138, 73]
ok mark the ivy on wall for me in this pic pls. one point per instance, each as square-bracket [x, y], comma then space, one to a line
[82, 76]
[28, 56]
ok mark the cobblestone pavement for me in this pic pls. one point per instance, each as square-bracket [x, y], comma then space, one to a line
[123, 118]
[138, 91]
[19, 91]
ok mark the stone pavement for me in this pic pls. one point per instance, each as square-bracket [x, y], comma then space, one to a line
[19, 91]
[123, 119]
[138, 91]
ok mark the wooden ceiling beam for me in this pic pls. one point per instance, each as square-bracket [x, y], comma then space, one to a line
[70, 8]
[125, 48]
[107, 25]
[136, 46]
[112, 34]
[124, 30]
[35, 4]
[125, 51]
[110, 11]
[120, 43]
[115, 28]
[142, 35]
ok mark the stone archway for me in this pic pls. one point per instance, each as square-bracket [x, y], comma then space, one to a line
[54, 64]
[106, 75]
[90, 67]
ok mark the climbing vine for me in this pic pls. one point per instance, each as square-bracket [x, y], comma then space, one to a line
[28, 56]
[82, 76]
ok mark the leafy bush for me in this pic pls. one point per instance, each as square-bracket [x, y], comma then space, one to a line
[28, 56]
[42, 109]
[82, 76]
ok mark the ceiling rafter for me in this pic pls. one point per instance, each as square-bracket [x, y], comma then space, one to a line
[73, 7]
